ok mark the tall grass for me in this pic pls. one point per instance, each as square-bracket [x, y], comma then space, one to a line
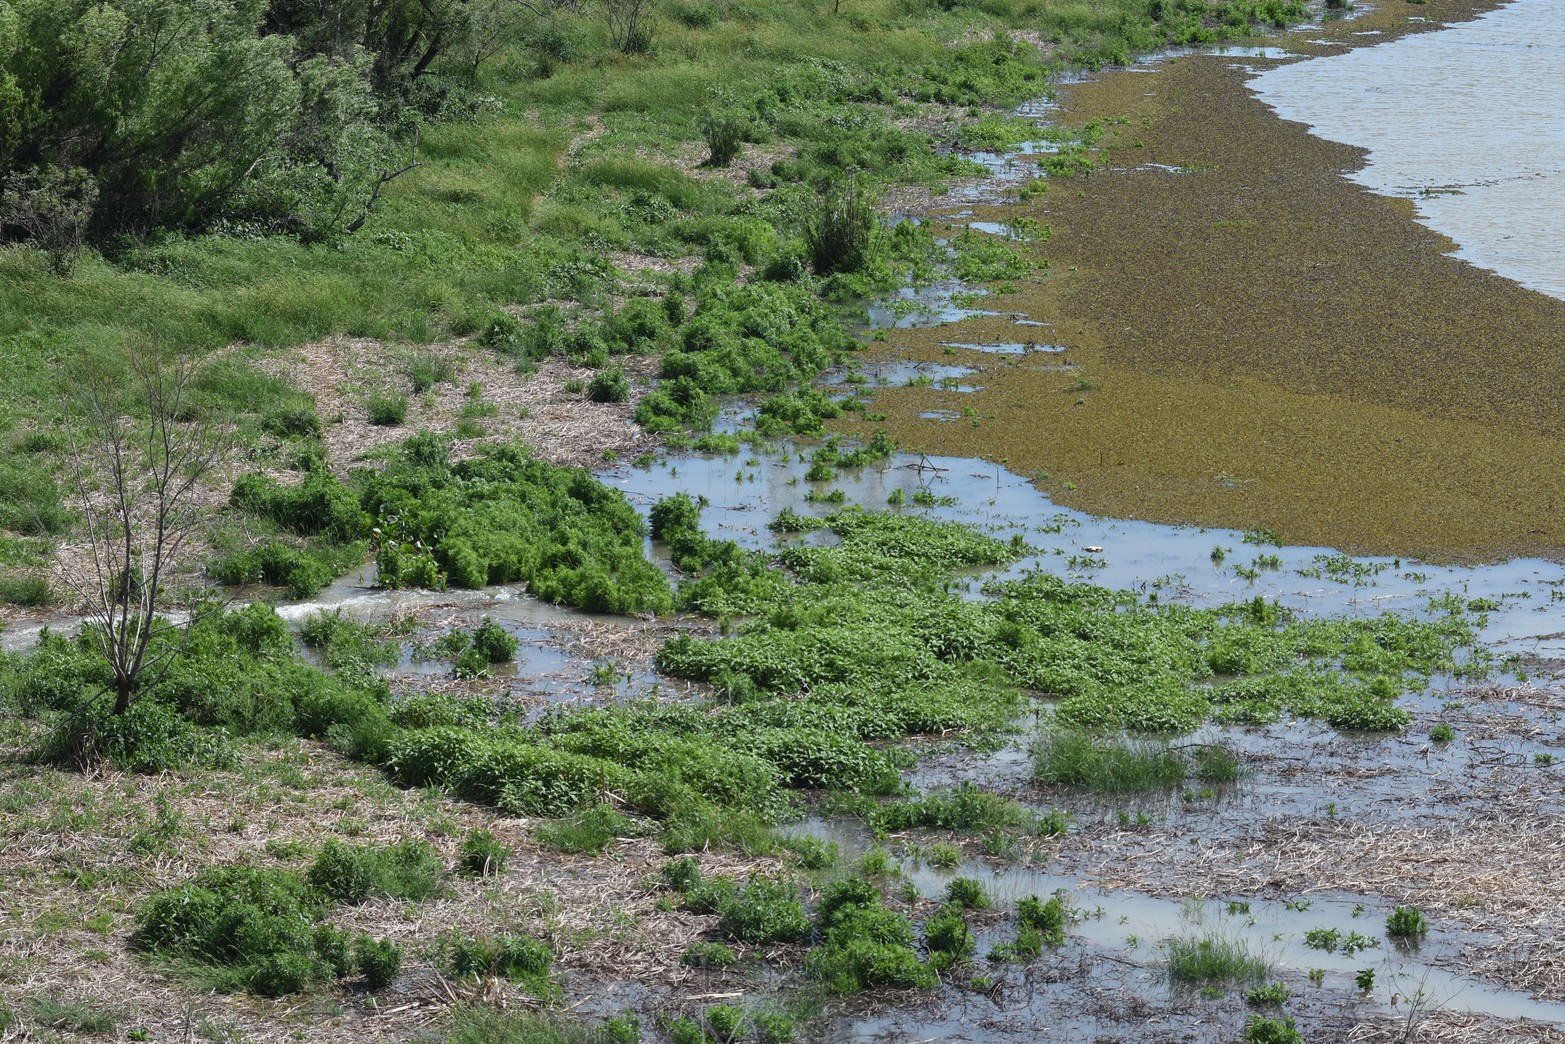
[1107, 764]
[1210, 960]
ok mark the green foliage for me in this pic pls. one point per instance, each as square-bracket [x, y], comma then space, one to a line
[507, 517]
[58, 1012]
[763, 911]
[1212, 960]
[1272, 994]
[254, 927]
[949, 939]
[1266, 1029]
[378, 960]
[967, 893]
[520, 958]
[609, 386]
[485, 1024]
[864, 945]
[386, 411]
[1407, 922]
[708, 955]
[480, 855]
[840, 233]
[724, 133]
[347, 874]
[588, 832]
[1106, 765]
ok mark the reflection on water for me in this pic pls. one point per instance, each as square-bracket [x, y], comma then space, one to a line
[1467, 121]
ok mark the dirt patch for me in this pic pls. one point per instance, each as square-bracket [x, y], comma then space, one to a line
[562, 426]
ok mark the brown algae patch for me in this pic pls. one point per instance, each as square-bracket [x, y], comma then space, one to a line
[1256, 340]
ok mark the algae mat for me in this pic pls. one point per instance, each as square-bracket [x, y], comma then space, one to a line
[1255, 340]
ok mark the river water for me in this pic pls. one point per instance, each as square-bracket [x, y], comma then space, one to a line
[1467, 121]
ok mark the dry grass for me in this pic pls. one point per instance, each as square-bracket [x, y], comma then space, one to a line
[562, 427]
[74, 876]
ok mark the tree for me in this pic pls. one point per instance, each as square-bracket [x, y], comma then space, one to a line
[136, 469]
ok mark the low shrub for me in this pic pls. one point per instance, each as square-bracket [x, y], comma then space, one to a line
[588, 832]
[1407, 922]
[763, 911]
[708, 955]
[347, 874]
[1212, 960]
[480, 855]
[378, 960]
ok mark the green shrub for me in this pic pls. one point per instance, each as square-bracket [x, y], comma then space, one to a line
[1047, 918]
[724, 134]
[708, 955]
[866, 946]
[386, 411]
[948, 937]
[1212, 960]
[1106, 765]
[589, 832]
[480, 855]
[763, 911]
[378, 960]
[256, 928]
[1264, 1029]
[1273, 994]
[520, 958]
[967, 893]
[840, 233]
[346, 874]
[1407, 922]
[609, 386]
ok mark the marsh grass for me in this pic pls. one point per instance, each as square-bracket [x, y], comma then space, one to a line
[1107, 765]
[1213, 960]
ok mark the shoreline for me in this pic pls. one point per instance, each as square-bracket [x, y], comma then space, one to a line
[1389, 412]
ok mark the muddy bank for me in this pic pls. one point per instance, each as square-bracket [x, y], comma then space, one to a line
[1256, 340]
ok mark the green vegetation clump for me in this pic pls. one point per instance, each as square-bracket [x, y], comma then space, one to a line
[351, 874]
[480, 855]
[1407, 922]
[1267, 1029]
[262, 930]
[864, 945]
[1212, 960]
[708, 955]
[520, 958]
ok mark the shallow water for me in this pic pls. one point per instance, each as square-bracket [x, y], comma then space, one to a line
[1172, 563]
[1135, 927]
[1466, 121]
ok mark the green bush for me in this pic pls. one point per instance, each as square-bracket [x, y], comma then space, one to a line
[588, 832]
[948, 937]
[724, 133]
[1107, 765]
[840, 233]
[609, 386]
[967, 893]
[255, 927]
[708, 955]
[520, 958]
[378, 960]
[386, 411]
[480, 855]
[347, 874]
[1265, 1029]
[1407, 922]
[763, 911]
[865, 946]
